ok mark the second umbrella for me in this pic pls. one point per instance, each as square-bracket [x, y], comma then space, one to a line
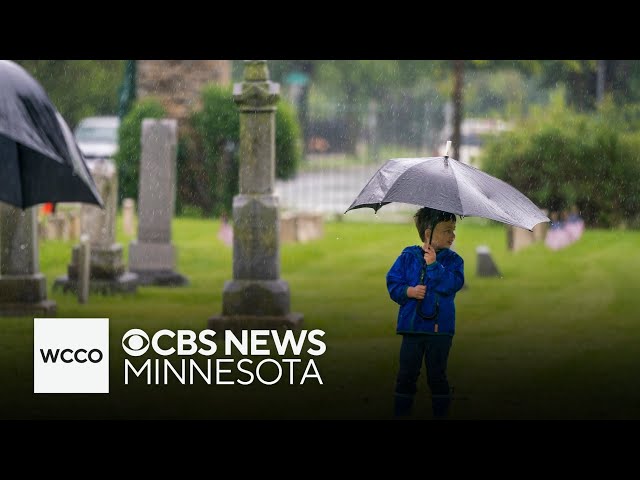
[446, 184]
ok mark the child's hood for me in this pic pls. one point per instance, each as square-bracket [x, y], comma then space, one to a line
[414, 250]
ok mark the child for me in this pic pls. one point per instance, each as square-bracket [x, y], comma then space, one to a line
[424, 281]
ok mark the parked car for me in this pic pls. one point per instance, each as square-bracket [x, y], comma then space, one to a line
[97, 137]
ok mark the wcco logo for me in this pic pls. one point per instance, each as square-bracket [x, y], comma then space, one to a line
[70, 355]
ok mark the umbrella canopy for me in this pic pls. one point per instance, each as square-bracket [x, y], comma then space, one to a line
[443, 183]
[39, 158]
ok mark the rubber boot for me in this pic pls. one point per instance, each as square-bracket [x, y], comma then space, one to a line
[440, 406]
[402, 405]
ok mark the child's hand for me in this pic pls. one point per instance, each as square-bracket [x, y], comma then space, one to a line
[430, 255]
[417, 292]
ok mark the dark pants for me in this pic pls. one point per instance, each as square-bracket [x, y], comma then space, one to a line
[434, 349]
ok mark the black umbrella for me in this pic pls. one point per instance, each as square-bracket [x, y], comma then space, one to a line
[443, 183]
[39, 159]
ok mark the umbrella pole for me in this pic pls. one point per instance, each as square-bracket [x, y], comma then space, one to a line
[433, 226]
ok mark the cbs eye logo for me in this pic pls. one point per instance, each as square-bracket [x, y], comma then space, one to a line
[135, 342]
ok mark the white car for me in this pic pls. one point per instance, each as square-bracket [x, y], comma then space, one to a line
[97, 137]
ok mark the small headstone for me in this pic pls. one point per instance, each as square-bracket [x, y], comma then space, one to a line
[84, 268]
[108, 273]
[486, 267]
[75, 227]
[288, 227]
[309, 226]
[23, 289]
[56, 227]
[128, 216]
[540, 231]
[519, 238]
[301, 227]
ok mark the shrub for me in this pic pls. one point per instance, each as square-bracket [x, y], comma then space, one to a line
[288, 141]
[214, 143]
[560, 158]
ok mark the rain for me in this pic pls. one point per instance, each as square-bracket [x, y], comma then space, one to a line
[229, 196]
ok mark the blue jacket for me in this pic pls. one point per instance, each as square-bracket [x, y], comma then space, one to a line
[443, 279]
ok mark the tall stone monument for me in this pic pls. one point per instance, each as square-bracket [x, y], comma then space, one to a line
[256, 298]
[152, 256]
[108, 274]
[23, 288]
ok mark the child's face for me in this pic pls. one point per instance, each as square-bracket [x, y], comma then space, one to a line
[443, 235]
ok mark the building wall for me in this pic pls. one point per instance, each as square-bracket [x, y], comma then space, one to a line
[178, 83]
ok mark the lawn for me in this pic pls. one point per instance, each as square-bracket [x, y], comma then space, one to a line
[554, 337]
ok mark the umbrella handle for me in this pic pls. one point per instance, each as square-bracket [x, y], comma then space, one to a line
[425, 317]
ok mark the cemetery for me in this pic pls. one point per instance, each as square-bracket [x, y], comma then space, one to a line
[543, 333]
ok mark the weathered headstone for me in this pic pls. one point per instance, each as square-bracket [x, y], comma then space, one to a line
[108, 273]
[152, 255]
[486, 267]
[23, 289]
[128, 216]
[256, 297]
[62, 224]
[301, 227]
[57, 227]
[84, 268]
[519, 238]
[540, 230]
[75, 225]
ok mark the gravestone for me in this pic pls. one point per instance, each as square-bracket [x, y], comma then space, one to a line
[256, 298]
[486, 267]
[519, 238]
[301, 227]
[108, 274]
[540, 230]
[128, 216]
[23, 288]
[57, 227]
[152, 256]
[84, 268]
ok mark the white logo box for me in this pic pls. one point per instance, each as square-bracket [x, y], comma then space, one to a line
[70, 355]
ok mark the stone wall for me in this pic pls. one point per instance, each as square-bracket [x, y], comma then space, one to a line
[178, 83]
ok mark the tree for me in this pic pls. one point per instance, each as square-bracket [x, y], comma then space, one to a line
[79, 88]
[282, 71]
[351, 83]
[620, 79]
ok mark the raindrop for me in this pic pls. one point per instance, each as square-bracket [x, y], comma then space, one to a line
[23, 246]
[337, 238]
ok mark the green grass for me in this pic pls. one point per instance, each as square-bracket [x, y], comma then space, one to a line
[554, 337]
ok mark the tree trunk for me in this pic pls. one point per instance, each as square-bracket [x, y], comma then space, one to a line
[308, 67]
[352, 115]
[601, 80]
[458, 85]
